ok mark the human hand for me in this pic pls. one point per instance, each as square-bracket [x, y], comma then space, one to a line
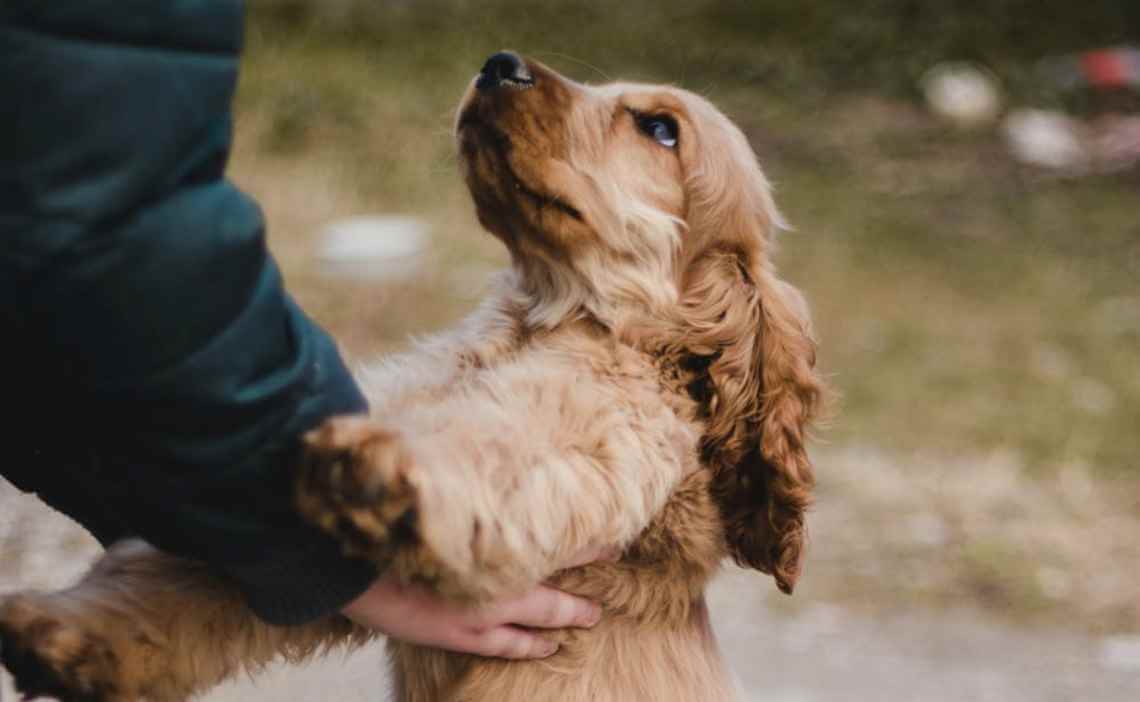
[417, 615]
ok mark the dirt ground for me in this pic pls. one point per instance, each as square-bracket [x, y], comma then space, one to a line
[801, 649]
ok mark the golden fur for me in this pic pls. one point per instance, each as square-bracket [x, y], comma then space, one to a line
[640, 377]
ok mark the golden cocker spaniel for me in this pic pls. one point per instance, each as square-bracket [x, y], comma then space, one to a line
[640, 377]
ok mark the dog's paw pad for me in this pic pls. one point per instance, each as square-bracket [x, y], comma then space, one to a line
[355, 484]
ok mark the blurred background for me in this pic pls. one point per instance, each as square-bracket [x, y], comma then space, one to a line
[964, 184]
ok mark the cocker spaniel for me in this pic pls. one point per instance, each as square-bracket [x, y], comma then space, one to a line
[640, 377]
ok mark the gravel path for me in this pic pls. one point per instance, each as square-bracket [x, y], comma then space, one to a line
[784, 651]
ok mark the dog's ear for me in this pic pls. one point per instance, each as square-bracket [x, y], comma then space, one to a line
[749, 345]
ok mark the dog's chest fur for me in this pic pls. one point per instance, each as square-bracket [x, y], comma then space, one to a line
[653, 595]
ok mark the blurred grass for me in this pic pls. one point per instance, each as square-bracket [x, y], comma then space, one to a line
[966, 306]
[879, 45]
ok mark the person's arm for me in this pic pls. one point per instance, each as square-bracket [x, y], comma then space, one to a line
[141, 278]
[162, 370]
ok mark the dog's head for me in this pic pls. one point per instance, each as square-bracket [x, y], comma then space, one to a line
[644, 208]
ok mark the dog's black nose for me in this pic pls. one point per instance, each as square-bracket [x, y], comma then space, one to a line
[504, 68]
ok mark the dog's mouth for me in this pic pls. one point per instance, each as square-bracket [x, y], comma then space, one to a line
[477, 135]
[469, 120]
[543, 200]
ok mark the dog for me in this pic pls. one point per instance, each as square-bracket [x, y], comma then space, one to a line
[640, 377]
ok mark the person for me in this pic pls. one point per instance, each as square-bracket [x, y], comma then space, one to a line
[158, 374]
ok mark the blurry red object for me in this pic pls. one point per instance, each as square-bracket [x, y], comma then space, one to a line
[1111, 68]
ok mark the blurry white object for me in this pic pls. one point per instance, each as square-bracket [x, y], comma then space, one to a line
[373, 247]
[962, 93]
[1120, 653]
[1117, 142]
[1045, 138]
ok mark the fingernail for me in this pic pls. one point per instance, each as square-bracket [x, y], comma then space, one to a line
[594, 617]
[549, 649]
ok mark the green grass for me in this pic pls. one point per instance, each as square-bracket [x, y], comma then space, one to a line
[811, 46]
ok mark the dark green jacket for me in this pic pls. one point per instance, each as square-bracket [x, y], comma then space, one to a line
[157, 374]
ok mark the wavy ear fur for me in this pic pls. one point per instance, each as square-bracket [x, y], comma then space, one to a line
[747, 340]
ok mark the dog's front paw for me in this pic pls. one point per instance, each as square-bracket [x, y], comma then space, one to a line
[52, 654]
[355, 483]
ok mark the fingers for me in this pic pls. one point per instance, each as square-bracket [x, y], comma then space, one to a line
[546, 608]
[418, 615]
[508, 642]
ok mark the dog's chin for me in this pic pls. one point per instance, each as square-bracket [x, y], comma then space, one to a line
[526, 221]
[486, 150]
[514, 209]
[536, 201]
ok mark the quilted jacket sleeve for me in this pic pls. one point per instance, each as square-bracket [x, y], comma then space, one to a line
[160, 371]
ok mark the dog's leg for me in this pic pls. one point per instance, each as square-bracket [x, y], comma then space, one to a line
[144, 625]
[488, 494]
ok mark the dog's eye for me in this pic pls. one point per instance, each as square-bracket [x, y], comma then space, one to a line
[661, 128]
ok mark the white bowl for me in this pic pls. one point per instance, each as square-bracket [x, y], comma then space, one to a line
[373, 247]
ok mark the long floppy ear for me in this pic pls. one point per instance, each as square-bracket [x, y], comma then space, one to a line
[749, 344]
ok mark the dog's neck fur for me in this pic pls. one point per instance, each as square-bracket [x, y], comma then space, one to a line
[613, 288]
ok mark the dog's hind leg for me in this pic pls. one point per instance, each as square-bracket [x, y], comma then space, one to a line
[144, 625]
